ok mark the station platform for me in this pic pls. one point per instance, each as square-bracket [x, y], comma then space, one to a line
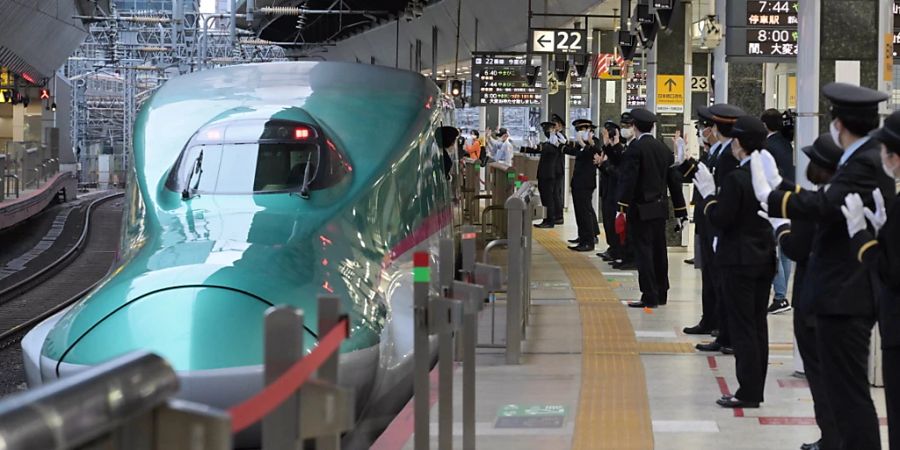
[30, 201]
[596, 374]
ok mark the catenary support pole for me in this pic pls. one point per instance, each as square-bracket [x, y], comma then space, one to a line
[807, 84]
[720, 67]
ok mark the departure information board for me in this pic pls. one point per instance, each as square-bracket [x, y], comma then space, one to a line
[579, 92]
[761, 30]
[501, 80]
[896, 7]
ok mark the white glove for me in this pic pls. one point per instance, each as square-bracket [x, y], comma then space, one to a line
[761, 186]
[854, 212]
[770, 167]
[776, 222]
[715, 244]
[704, 181]
[878, 217]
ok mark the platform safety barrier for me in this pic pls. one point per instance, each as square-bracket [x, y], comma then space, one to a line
[522, 207]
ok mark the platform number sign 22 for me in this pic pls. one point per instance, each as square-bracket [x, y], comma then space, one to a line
[557, 41]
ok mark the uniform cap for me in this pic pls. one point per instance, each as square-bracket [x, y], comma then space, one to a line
[725, 113]
[889, 134]
[824, 152]
[547, 124]
[850, 99]
[555, 118]
[750, 129]
[627, 119]
[643, 115]
[583, 123]
[610, 124]
[704, 116]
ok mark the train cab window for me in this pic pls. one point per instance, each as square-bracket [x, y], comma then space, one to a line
[296, 160]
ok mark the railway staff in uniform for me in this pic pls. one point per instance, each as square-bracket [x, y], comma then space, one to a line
[709, 319]
[721, 163]
[783, 152]
[879, 251]
[546, 174]
[609, 163]
[841, 287]
[584, 182]
[560, 168]
[626, 131]
[643, 200]
[795, 238]
[745, 254]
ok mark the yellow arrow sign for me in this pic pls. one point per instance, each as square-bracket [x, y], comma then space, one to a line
[669, 93]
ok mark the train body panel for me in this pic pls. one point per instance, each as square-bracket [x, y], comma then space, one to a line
[218, 229]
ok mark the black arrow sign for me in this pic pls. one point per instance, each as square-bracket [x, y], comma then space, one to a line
[543, 41]
[670, 83]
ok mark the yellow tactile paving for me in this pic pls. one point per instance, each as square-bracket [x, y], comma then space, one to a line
[613, 410]
[665, 347]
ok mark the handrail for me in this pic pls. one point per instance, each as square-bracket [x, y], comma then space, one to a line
[103, 398]
[272, 396]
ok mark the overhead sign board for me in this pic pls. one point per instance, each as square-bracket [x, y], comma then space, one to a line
[501, 80]
[762, 30]
[669, 93]
[700, 84]
[579, 92]
[557, 41]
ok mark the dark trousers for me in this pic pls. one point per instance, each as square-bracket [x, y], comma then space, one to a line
[560, 198]
[547, 187]
[805, 332]
[648, 239]
[710, 315]
[843, 344]
[585, 218]
[609, 210]
[749, 287]
[890, 358]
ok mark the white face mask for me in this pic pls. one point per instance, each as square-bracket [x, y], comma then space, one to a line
[584, 135]
[627, 133]
[835, 134]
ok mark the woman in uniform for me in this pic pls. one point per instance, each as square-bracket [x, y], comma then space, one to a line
[745, 254]
[880, 253]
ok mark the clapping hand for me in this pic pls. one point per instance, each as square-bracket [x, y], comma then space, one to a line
[878, 217]
[704, 181]
[761, 186]
[775, 221]
[854, 212]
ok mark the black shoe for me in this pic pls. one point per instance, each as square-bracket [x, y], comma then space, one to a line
[714, 333]
[779, 305]
[582, 248]
[736, 403]
[624, 266]
[574, 241]
[689, 261]
[811, 446]
[604, 255]
[727, 350]
[543, 225]
[640, 305]
[696, 329]
[709, 346]
[558, 222]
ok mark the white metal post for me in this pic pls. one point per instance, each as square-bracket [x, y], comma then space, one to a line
[807, 85]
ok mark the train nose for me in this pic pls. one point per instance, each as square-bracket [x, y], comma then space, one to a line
[194, 328]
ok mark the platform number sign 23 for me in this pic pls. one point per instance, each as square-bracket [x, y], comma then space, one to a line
[699, 84]
[557, 41]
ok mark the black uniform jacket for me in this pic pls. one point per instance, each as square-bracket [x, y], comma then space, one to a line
[839, 284]
[561, 160]
[674, 181]
[796, 241]
[645, 171]
[783, 152]
[882, 258]
[722, 164]
[584, 175]
[745, 238]
[550, 156]
[609, 170]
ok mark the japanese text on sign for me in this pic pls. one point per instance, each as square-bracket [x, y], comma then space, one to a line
[502, 80]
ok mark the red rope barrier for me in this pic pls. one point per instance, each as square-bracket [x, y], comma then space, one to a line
[255, 408]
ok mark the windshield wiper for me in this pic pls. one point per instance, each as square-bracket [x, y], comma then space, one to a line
[304, 187]
[187, 193]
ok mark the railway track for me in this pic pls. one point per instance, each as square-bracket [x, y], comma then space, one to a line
[58, 284]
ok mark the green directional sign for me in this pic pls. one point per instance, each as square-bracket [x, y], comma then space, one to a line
[530, 416]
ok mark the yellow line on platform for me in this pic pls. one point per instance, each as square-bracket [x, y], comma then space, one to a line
[613, 408]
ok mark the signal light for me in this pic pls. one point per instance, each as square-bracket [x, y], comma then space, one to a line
[53, 107]
[45, 94]
[301, 133]
[456, 88]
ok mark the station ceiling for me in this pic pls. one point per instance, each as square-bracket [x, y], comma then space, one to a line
[346, 18]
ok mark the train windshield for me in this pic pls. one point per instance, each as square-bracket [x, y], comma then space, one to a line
[292, 158]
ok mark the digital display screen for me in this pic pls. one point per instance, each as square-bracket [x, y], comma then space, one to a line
[771, 42]
[762, 30]
[501, 80]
